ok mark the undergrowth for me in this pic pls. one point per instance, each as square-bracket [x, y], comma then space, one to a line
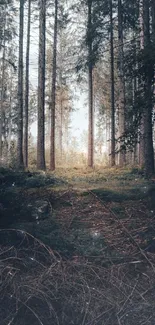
[91, 261]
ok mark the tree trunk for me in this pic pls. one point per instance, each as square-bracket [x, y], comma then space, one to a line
[2, 86]
[2, 99]
[61, 123]
[112, 87]
[121, 101]
[141, 143]
[60, 97]
[20, 90]
[90, 85]
[41, 88]
[53, 95]
[141, 136]
[10, 119]
[153, 42]
[27, 87]
[153, 21]
[148, 94]
[134, 94]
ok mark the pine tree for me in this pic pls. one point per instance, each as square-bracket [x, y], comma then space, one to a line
[2, 90]
[112, 86]
[140, 84]
[53, 94]
[121, 99]
[7, 32]
[153, 21]
[148, 95]
[90, 87]
[91, 48]
[20, 90]
[26, 107]
[41, 87]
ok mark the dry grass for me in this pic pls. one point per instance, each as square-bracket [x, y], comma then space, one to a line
[84, 171]
[108, 280]
[38, 287]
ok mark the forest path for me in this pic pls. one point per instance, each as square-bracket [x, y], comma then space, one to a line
[104, 228]
[93, 253]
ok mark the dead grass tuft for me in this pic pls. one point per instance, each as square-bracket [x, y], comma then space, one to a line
[39, 287]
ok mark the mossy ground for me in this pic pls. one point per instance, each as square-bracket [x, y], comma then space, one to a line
[103, 218]
[83, 202]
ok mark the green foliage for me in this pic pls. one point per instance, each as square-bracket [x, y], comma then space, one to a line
[7, 21]
[94, 34]
[13, 202]
[135, 193]
[130, 14]
[15, 179]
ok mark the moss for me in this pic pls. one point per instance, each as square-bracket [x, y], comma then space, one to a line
[135, 193]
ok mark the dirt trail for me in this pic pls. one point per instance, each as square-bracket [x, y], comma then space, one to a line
[120, 228]
[93, 256]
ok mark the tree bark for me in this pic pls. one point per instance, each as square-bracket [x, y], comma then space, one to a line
[27, 87]
[153, 21]
[148, 94]
[10, 119]
[153, 42]
[61, 100]
[20, 90]
[2, 100]
[2, 85]
[90, 85]
[134, 94]
[121, 101]
[140, 88]
[41, 88]
[61, 123]
[53, 95]
[112, 87]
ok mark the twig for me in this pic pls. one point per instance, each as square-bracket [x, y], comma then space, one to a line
[128, 298]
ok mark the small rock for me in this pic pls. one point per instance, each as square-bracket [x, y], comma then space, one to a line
[39, 209]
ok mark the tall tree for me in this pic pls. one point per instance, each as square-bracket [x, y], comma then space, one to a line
[153, 34]
[60, 84]
[10, 116]
[26, 107]
[153, 39]
[153, 21]
[20, 89]
[140, 86]
[90, 86]
[6, 34]
[112, 86]
[53, 94]
[148, 94]
[90, 52]
[121, 99]
[41, 87]
[2, 91]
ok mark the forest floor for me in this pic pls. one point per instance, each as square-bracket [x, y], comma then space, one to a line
[88, 259]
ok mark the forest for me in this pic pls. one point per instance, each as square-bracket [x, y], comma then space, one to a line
[56, 52]
[77, 181]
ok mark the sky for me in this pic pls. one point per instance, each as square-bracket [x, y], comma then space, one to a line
[79, 118]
